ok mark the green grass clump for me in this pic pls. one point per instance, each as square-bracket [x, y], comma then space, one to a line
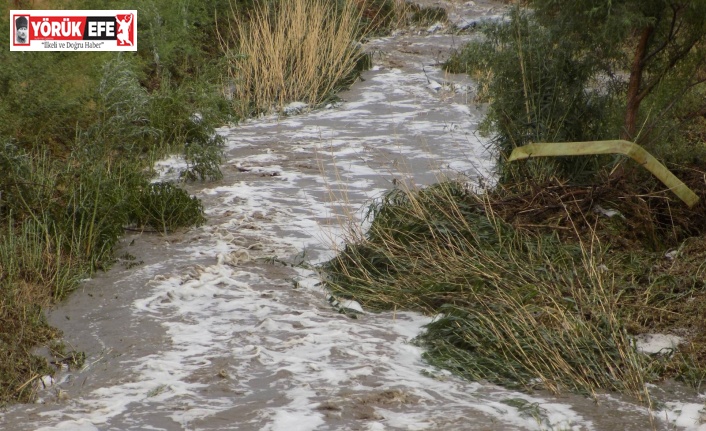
[520, 307]
[59, 223]
[428, 15]
[63, 208]
[166, 207]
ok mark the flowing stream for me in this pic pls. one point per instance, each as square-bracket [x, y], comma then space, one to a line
[211, 331]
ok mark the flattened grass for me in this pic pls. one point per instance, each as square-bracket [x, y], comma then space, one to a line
[520, 305]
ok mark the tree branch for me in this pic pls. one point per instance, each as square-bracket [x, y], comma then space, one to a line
[670, 36]
[634, 85]
[684, 118]
[699, 112]
[672, 62]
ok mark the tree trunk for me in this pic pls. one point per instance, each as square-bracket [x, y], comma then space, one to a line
[633, 96]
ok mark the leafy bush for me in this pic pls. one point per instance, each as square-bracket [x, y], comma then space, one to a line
[123, 112]
[203, 159]
[179, 39]
[166, 207]
[188, 132]
[538, 91]
[134, 123]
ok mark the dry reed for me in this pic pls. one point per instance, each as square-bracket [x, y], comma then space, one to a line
[298, 50]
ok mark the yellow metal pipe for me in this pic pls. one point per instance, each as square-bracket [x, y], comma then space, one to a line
[630, 149]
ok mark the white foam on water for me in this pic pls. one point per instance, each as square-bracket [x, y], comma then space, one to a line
[169, 169]
[78, 425]
[687, 416]
[657, 343]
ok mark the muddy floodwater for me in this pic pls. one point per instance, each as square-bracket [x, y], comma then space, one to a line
[212, 330]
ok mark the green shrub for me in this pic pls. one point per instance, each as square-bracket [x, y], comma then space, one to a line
[538, 91]
[203, 159]
[98, 202]
[189, 132]
[567, 72]
[180, 38]
[136, 124]
[165, 207]
[122, 105]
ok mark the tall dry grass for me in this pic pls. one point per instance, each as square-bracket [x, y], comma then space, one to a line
[296, 50]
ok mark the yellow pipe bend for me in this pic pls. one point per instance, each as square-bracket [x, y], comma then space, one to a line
[630, 149]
